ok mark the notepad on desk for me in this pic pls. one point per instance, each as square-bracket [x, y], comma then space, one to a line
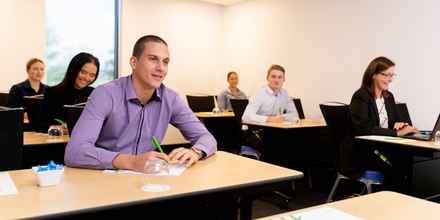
[7, 186]
[326, 213]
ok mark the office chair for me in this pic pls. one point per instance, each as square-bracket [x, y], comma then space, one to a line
[73, 112]
[402, 110]
[4, 99]
[338, 120]
[11, 138]
[299, 108]
[34, 107]
[201, 103]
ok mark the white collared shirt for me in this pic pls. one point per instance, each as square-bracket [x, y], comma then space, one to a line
[269, 103]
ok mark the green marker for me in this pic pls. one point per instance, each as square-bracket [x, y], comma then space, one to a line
[156, 144]
[59, 121]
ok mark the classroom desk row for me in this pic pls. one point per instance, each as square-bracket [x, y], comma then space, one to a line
[83, 191]
[376, 206]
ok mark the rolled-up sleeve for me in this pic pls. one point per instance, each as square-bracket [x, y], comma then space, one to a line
[81, 150]
[191, 128]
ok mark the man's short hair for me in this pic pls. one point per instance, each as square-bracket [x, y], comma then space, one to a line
[140, 44]
[275, 67]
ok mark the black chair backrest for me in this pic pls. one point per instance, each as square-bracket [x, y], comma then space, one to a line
[238, 106]
[299, 108]
[403, 112]
[4, 99]
[34, 107]
[338, 120]
[72, 115]
[11, 138]
[201, 103]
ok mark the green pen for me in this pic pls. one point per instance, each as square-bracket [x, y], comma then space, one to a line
[156, 144]
[59, 121]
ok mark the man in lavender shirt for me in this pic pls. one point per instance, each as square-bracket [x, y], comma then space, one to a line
[121, 117]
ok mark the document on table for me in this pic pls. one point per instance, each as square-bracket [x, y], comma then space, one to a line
[326, 213]
[173, 170]
[7, 186]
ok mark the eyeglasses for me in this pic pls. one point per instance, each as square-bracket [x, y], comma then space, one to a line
[388, 75]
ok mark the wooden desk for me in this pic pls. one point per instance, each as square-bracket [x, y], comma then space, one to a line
[214, 115]
[421, 162]
[84, 190]
[381, 206]
[34, 138]
[303, 123]
[401, 141]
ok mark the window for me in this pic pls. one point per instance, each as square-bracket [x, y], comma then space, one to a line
[81, 26]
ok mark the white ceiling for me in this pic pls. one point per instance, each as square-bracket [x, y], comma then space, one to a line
[223, 2]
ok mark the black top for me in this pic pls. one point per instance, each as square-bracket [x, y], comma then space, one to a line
[365, 116]
[365, 121]
[18, 91]
[57, 97]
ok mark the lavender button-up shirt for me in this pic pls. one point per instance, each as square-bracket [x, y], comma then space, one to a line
[114, 121]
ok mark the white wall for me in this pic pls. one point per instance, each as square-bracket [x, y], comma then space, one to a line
[23, 37]
[194, 33]
[326, 45]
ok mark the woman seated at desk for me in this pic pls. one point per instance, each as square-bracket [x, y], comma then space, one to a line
[30, 87]
[373, 112]
[232, 92]
[75, 88]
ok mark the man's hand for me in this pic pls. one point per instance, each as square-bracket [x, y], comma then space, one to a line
[137, 162]
[184, 156]
[275, 119]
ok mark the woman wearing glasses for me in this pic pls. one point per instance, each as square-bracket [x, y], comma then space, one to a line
[373, 109]
[373, 112]
[75, 88]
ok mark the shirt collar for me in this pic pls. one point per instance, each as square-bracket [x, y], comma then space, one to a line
[130, 94]
[271, 92]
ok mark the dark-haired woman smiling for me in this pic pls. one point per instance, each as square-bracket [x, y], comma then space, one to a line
[373, 112]
[75, 88]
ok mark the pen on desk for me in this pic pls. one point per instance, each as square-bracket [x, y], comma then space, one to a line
[156, 144]
[59, 121]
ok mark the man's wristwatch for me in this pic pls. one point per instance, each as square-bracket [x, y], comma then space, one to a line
[198, 152]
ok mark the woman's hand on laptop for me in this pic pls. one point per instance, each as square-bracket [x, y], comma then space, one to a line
[400, 125]
[406, 130]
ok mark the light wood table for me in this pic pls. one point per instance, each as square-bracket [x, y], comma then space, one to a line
[416, 153]
[303, 123]
[214, 115]
[83, 190]
[401, 141]
[34, 138]
[380, 206]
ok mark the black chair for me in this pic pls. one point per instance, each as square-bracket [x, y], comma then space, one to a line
[72, 115]
[33, 107]
[4, 99]
[403, 112]
[299, 108]
[238, 106]
[201, 103]
[338, 120]
[11, 138]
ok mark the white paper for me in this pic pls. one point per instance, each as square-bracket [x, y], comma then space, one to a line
[393, 139]
[173, 170]
[7, 186]
[326, 213]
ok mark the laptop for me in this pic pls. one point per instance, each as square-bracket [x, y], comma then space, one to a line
[425, 135]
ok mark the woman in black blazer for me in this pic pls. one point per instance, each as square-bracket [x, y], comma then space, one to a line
[75, 88]
[373, 109]
[373, 112]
